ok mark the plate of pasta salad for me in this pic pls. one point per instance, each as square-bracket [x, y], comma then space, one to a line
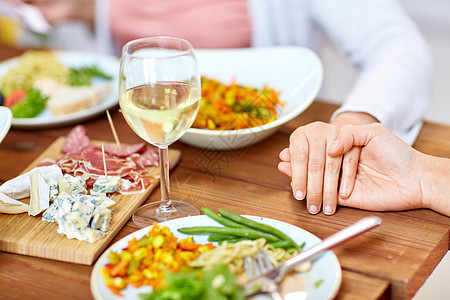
[49, 88]
[117, 274]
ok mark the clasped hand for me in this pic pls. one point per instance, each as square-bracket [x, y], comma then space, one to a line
[328, 167]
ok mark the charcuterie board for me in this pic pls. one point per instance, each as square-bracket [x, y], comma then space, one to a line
[24, 234]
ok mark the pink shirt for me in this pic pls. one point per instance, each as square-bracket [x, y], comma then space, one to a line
[205, 23]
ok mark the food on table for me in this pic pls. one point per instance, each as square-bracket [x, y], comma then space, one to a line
[234, 106]
[79, 201]
[83, 158]
[147, 261]
[9, 205]
[80, 216]
[40, 194]
[215, 283]
[40, 80]
[63, 99]
[19, 187]
[237, 226]
[183, 269]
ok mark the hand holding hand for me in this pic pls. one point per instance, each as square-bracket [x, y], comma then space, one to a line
[388, 176]
[315, 175]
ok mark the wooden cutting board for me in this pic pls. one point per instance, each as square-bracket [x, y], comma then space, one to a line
[24, 234]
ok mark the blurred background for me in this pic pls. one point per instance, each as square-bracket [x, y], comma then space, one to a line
[432, 17]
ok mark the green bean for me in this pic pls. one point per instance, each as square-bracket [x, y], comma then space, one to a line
[220, 219]
[220, 237]
[283, 244]
[240, 232]
[232, 241]
[258, 226]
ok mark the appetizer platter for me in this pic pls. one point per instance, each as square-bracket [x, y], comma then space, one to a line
[73, 217]
[317, 280]
[55, 88]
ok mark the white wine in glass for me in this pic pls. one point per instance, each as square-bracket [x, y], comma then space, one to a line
[159, 94]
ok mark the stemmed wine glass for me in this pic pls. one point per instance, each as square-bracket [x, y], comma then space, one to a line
[159, 93]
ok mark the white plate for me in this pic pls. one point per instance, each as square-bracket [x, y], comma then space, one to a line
[326, 268]
[5, 121]
[296, 72]
[107, 64]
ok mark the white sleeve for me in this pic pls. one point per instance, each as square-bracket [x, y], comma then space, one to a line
[103, 27]
[394, 60]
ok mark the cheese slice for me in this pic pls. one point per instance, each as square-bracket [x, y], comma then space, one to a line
[11, 206]
[40, 194]
[19, 187]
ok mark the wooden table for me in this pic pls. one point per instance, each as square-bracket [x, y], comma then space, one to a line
[389, 262]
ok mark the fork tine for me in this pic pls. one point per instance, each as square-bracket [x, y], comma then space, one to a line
[261, 266]
[248, 267]
[269, 264]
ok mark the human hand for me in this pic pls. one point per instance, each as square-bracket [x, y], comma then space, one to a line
[388, 176]
[315, 175]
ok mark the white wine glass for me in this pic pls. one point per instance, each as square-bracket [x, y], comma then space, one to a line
[159, 93]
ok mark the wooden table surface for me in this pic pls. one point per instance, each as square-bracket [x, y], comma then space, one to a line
[389, 262]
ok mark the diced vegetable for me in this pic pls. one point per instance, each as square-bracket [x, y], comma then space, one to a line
[15, 97]
[148, 260]
[230, 107]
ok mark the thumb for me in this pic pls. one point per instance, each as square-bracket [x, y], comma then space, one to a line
[351, 136]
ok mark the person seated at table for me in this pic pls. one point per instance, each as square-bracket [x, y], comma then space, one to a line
[391, 175]
[377, 36]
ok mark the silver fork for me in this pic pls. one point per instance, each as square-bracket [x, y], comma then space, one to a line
[268, 278]
[254, 269]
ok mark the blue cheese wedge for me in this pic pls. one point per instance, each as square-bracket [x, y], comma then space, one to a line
[101, 218]
[40, 194]
[50, 214]
[105, 184]
[100, 199]
[72, 185]
[90, 235]
[80, 216]
[82, 210]
[53, 185]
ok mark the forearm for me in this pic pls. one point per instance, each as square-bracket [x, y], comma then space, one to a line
[435, 183]
[353, 118]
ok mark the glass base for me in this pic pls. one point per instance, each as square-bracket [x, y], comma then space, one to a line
[147, 214]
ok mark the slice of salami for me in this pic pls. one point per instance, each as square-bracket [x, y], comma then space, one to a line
[77, 140]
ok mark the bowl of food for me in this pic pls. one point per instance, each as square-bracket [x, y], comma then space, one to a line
[248, 94]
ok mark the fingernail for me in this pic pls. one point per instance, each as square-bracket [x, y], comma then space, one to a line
[344, 191]
[299, 195]
[328, 210]
[313, 209]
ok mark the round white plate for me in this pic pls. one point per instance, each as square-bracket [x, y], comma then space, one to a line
[296, 72]
[5, 121]
[107, 64]
[325, 269]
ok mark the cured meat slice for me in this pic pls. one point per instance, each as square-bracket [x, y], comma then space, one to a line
[83, 158]
[125, 151]
[149, 158]
[77, 140]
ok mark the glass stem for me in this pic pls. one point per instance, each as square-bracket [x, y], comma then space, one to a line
[166, 204]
